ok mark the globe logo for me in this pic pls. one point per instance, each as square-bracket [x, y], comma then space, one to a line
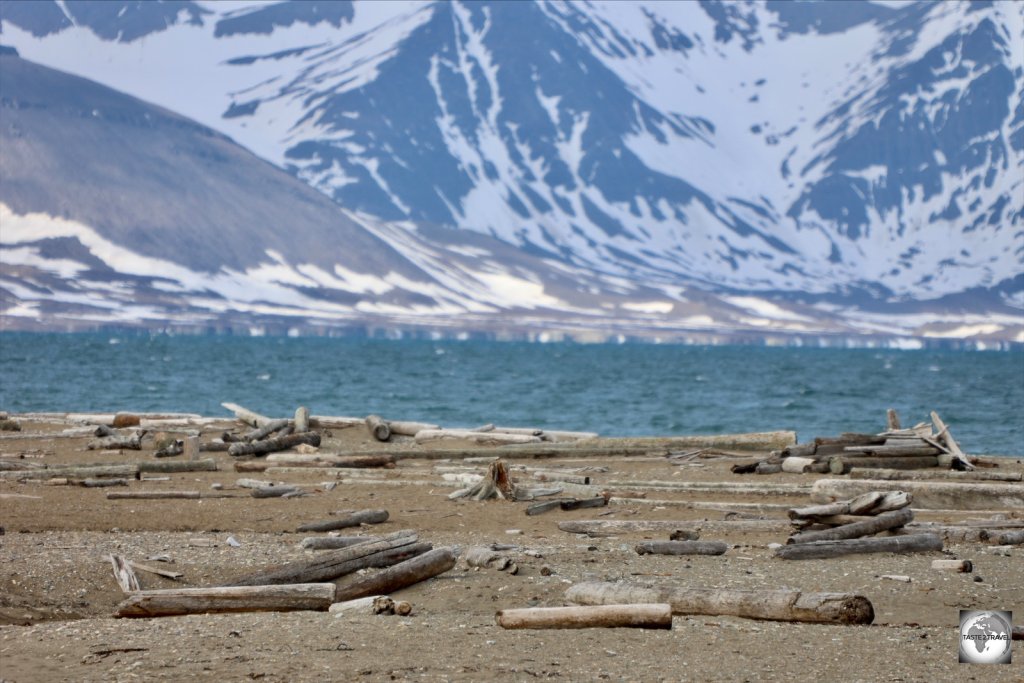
[985, 636]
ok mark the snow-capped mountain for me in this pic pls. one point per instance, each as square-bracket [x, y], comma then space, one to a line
[810, 150]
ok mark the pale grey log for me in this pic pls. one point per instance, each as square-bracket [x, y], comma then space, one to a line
[427, 436]
[331, 564]
[399, 576]
[369, 460]
[335, 542]
[103, 483]
[204, 465]
[681, 548]
[301, 420]
[177, 601]
[892, 451]
[124, 575]
[275, 491]
[797, 465]
[265, 430]
[773, 605]
[129, 470]
[378, 428]
[928, 494]
[1006, 537]
[926, 475]
[276, 444]
[765, 467]
[870, 501]
[945, 437]
[406, 428]
[132, 442]
[155, 570]
[855, 546]
[724, 487]
[548, 475]
[961, 566]
[759, 441]
[874, 525]
[191, 448]
[247, 416]
[843, 464]
[354, 519]
[598, 616]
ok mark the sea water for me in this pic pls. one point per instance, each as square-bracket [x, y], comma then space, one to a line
[615, 390]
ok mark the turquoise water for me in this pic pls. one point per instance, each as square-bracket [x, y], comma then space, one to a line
[611, 389]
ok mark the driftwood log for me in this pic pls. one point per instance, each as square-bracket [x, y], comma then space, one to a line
[301, 421]
[331, 564]
[177, 601]
[928, 495]
[682, 548]
[889, 474]
[1005, 537]
[872, 525]
[354, 519]
[328, 460]
[378, 428]
[204, 465]
[126, 470]
[914, 543]
[962, 566]
[843, 464]
[868, 503]
[276, 444]
[773, 605]
[399, 576]
[335, 542]
[599, 616]
[132, 442]
[247, 416]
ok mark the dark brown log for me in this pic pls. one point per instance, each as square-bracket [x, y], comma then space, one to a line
[163, 603]
[745, 468]
[850, 439]
[205, 465]
[251, 465]
[122, 420]
[596, 502]
[273, 445]
[546, 506]
[401, 575]
[153, 495]
[774, 605]
[330, 460]
[103, 483]
[682, 548]
[378, 428]
[330, 564]
[854, 546]
[874, 525]
[599, 616]
[354, 519]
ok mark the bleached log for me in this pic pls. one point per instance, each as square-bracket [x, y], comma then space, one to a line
[797, 465]
[773, 605]
[926, 475]
[371, 604]
[335, 542]
[756, 441]
[177, 601]
[330, 564]
[271, 445]
[399, 576]
[946, 438]
[623, 526]
[205, 465]
[681, 548]
[247, 416]
[335, 422]
[892, 451]
[275, 491]
[126, 578]
[890, 544]
[869, 502]
[928, 495]
[483, 557]
[378, 428]
[132, 442]
[191, 451]
[120, 471]
[599, 616]
[961, 566]
[106, 419]
[354, 519]
[167, 574]
[301, 421]
[549, 475]
[721, 487]
[428, 436]
[874, 525]
[406, 428]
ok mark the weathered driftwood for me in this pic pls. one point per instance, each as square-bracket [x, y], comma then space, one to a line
[126, 578]
[349, 520]
[596, 616]
[766, 467]
[131, 442]
[407, 428]
[872, 525]
[251, 465]
[546, 506]
[155, 495]
[330, 460]
[893, 451]
[891, 544]
[549, 475]
[399, 576]
[102, 483]
[681, 548]
[624, 526]
[275, 491]
[950, 443]
[843, 464]
[496, 483]
[166, 573]
[720, 487]
[276, 444]
[216, 446]
[119, 471]
[331, 564]
[850, 439]
[867, 503]
[928, 495]
[962, 566]
[892, 420]
[266, 429]
[301, 421]
[797, 465]
[247, 416]
[367, 605]
[483, 557]
[246, 483]
[1004, 537]
[177, 601]
[205, 465]
[889, 474]
[773, 605]
[429, 436]
[378, 428]
[575, 504]
[335, 542]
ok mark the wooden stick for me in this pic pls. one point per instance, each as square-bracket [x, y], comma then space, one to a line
[873, 525]
[378, 428]
[893, 544]
[154, 570]
[601, 616]
[126, 578]
[928, 495]
[427, 436]
[277, 444]
[328, 565]
[399, 576]
[354, 519]
[176, 601]
[774, 605]
[682, 548]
